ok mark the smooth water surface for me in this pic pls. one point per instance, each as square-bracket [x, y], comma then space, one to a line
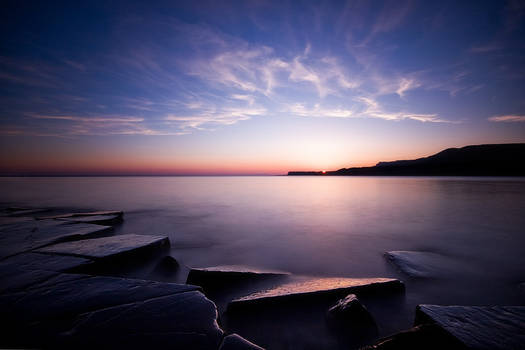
[323, 226]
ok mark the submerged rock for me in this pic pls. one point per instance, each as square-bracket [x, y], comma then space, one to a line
[167, 266]
[478, 327]
[428, 337]
[229, 275]
[236, 342]
[318, 288]
[108, 247]
[422, 264]
[94, 219]
[14, 211]
[117, 213]
[349, 310]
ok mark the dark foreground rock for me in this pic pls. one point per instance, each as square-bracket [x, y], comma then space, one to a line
[317, 288]
[81, 311]
[108, 247]
[461, 327]
[46, 262]
[167, 266]
[185, 320]
[227, 276]
[236, 342]
[350, 312]
[28, 234]
[478, 327]
[42, 307]
[422, 264]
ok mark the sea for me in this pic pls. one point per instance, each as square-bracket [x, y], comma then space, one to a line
[321, 226]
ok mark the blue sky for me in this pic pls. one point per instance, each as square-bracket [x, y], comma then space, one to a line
[255, 86]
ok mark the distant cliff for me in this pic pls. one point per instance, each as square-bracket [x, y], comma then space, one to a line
[478, 160]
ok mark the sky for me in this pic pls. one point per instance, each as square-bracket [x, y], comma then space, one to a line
[254, 87]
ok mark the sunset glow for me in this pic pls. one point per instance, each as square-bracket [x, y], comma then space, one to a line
[256, 88]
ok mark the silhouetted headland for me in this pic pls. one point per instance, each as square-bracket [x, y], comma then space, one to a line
[477, 160]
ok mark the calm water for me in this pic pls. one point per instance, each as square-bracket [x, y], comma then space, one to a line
[325, 226]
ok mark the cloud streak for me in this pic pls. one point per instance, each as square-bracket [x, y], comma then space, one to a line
[206, 118]
[508, 119]
[72, 125]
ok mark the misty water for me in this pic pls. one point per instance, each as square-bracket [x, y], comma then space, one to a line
[321, 226]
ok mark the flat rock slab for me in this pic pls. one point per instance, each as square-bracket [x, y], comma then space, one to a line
[23, 236]
[227, 275]
[67, 310]
[24, 211]
[185, 320]
[94, 219]
[84, 293]
[13, 279]
[315, 287]
[47, 262]
[83, 214]
[108, 247]
[422, 264]
[479, 327]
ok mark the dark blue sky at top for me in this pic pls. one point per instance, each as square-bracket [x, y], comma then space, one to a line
[192, 69]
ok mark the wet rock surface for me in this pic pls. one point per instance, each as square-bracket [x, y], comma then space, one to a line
[108, 247]
[230, 276]
[69, 310]
[478, 327]
[28, 234]
[47, 262]
[236, 342]
[184, 320]
[313, 288]
[349, 310]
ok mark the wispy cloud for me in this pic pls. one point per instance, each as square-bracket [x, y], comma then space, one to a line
[406, 85]
[364, 107]
[260, 70]
[374, 110]
[72, 125]
[88, 120]
[299, 109]
[209, 117]
[490, 47]
[508, 118]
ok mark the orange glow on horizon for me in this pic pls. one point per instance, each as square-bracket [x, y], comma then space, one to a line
[128, 162]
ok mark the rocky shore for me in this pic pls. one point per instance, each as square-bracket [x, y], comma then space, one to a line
[58, 289]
